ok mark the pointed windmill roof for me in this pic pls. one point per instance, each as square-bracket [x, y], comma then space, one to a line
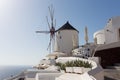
[67, 26]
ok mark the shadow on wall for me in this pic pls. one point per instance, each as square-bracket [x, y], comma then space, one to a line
[107, 78]
[109, 56]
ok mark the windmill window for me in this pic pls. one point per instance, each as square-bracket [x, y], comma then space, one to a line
[58, 32]
[88, 49]
[60, 37]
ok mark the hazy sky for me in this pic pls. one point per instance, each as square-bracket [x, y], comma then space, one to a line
[19, 19]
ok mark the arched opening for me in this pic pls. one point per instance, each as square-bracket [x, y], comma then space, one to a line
[119, 34]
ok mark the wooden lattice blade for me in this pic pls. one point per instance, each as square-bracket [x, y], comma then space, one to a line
[42, 31]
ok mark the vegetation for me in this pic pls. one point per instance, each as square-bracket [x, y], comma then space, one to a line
[69, 64]
[76, 63]
[61, 65]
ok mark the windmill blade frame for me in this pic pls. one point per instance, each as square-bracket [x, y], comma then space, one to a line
[51, 10]
[49, 45]
[51, 26]
[47, 32]
[52, 40]
[48, 22]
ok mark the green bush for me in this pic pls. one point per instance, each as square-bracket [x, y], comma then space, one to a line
[61, 65]
[69, 64]
[76, 63]
[87, 65]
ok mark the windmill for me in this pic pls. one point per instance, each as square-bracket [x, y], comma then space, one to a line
[51, 30]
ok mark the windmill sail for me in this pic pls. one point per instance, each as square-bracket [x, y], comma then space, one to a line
[51, 28]
[43, 32]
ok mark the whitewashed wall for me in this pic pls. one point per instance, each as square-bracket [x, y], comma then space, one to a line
[99, 37]
[111, 32]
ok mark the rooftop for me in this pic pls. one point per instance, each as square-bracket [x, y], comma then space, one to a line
[67, 26]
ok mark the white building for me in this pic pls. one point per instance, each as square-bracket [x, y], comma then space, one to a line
[84, 51]
[111, 32]
[99, 37]
[66, 39]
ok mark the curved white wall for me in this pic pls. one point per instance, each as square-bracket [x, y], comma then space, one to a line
[99, 37]
[66, 40]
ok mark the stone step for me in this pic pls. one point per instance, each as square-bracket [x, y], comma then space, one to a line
[111, 74]
[117, 67]
[113, 67]
[117, 64]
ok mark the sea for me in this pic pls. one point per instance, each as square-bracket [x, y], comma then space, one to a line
[8, 71]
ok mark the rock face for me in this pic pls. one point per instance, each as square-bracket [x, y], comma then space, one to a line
[109, 56]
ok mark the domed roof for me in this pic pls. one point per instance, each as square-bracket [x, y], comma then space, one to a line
[67, 26]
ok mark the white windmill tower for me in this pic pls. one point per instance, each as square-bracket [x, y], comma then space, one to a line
[66, 39]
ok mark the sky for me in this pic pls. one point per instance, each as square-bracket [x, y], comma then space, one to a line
[19, 19]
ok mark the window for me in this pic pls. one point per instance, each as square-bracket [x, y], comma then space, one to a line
[60, 37]
[58, 32]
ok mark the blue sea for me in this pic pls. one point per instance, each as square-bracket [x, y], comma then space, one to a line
[8, 71]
